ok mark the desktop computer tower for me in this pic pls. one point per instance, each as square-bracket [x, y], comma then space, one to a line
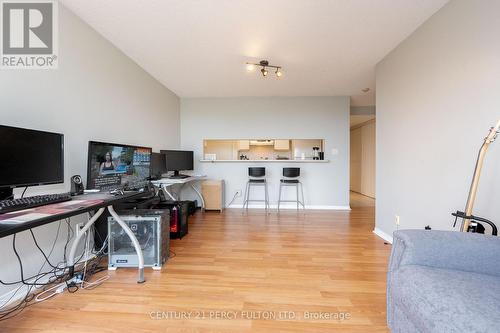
[152, 229]
[179, 211]
[101, 224]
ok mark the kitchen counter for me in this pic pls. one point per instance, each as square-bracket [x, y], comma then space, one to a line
[264, 161]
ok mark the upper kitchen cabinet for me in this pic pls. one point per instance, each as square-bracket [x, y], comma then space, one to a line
[281, 144]
[243, 144]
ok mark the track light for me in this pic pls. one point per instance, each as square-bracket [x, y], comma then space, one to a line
[265, 64]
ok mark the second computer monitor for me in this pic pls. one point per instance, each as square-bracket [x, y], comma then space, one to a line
[158, 165]
[178, 160]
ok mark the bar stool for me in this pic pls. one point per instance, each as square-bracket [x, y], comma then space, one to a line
[291, 178]
[256, 177]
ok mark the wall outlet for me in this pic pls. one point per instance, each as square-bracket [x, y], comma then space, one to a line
[396, 220]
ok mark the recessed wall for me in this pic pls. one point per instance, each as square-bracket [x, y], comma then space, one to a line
[326, 185]
[262, 149]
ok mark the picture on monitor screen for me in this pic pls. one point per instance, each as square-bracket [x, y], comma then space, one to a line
[112, 166]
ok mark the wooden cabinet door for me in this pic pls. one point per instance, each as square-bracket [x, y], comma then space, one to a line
[243, 144]
[281, 144]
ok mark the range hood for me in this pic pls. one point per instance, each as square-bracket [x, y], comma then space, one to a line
[261, 142]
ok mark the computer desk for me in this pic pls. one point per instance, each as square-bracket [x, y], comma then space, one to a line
[15, 222]
[166, 183]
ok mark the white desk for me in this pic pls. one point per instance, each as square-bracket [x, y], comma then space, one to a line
[165, 184]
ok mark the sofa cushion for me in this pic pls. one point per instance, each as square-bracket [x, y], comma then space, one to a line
[441, 300]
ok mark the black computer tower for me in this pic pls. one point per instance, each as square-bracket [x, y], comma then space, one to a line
[192, 206]
[179, 212]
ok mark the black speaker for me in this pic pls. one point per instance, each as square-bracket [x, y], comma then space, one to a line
[76, 185]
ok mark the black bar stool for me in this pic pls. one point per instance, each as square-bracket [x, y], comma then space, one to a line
[256, 177]
[291, 178]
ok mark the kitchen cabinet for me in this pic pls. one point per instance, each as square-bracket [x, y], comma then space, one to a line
[243, 144]
[281, 144]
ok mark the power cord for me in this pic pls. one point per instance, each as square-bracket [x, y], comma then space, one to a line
[40, 249]
[232, 200]
[14, 293]
[56, 274]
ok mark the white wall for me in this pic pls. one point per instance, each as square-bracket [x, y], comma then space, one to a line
[97, 93]
[325, 184]
[363, 159]
[437, 96]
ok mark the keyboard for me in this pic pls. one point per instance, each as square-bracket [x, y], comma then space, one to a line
[30, 202]
[137, 185]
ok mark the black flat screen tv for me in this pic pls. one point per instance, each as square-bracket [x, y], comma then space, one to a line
[113, 165]
[30, 157]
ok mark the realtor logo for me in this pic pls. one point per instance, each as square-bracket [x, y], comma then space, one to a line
[29, 34]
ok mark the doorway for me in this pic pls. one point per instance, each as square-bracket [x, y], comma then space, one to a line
[362, 159]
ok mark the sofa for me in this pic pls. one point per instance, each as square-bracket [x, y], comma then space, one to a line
[443, 281]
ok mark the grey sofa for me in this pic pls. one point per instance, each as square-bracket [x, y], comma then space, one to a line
[443, 281]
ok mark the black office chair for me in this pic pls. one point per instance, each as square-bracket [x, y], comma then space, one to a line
[256, 177]
[291, 178]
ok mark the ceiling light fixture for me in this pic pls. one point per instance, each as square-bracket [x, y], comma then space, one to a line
[265, 64]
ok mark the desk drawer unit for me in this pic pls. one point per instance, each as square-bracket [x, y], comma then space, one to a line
[213, 194]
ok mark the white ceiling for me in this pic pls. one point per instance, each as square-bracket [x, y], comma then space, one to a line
[199, 47]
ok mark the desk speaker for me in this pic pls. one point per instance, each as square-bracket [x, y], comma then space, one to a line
[76, 185]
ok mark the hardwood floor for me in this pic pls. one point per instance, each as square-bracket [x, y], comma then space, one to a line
[240, 266]
[360, 200]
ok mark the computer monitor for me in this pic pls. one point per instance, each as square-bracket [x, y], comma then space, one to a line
[112, 165]
[29, 158]
[158, 165]
[178, 160]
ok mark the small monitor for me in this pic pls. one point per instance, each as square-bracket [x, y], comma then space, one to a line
[158, 165]
[112, 165]
[30, 157]
[178, 160]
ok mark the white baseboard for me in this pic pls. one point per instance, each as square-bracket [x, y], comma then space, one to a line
[383, 235]
[292, 206]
